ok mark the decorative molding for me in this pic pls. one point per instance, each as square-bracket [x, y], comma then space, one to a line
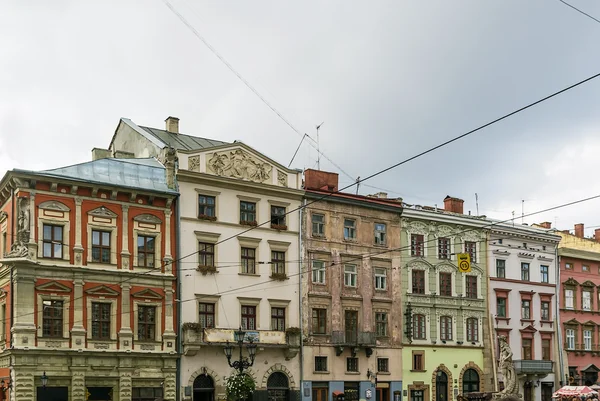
[194, 163]
[282, 178]
[53, 286]
[445, 231]
[147, 218]
[417, 227]
[103, 212]
[239, 164]
[54, 205]
[102, 290]
[147, 293]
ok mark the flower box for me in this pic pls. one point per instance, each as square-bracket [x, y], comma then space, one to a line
[279, 227]
[207, 269]
[278, 276]
[205, 217]
[249, 223]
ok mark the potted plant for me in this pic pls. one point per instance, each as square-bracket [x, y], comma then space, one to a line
[207, 217]
[239, 386]
[248, 223]
[279, 227]
[278, 276]
[293, 336]
[207, 269]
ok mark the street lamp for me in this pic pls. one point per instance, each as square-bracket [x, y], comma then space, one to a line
[242, 363]
[4, 385]
[44, 379]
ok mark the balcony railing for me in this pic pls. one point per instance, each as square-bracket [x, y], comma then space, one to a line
[533, 366]
[360, 338]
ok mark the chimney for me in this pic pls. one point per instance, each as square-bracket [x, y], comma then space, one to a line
[172, 124]
[320, 180]
[579, 230]
[381, 195]
[121, 154]
[546, 225]
[98, 154]
[453, 205]
[597, 234]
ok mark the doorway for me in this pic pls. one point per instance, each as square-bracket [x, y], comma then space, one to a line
[382, 394]
[547, 391]
[278, 387]
[204, 388]
[52, 394]
[441, 386]
[320, 391]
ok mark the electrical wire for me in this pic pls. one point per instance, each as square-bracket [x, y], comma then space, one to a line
[578, 10]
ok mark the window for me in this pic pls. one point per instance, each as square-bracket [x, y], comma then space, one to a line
[351, 325]
[277, 216]
[544, 273]
[383, 365]
[278, 319]
[501, 307]
[418, 281]
[318, 225]
[587, 340]
[471, 249]
[525, 309]
[101, 321]
[525, 271]
[569, 299]
[545, 310]
[570, 335]
[446, 328]
[546, 346]
[206, 254]
[470, 381]
[586, 300]
[247, 212]
[416, 245]
[248, 260]
[248, 317]
[207, 315]
[350, 275]
[146, 393]
[319, 321]
[100, 246]
[419, 327]
[320, 364]
[380, 238]
[446, 284]
[381, 324]
[443, 248]
[569, 266]
[585, 268]
[146, 251]
[146, 323]
[472, 329]
[526, 351]
[53, 241]
[52, 318]
[471, 282]
[278, 262]
[380, 279]
[418, 360]
[500, 268]
[318, 272]
[352, 364]
[349, 229]
[206, 206]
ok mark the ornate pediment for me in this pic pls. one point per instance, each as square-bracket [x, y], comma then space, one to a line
[472, 236]
[445, 231]
[53, 286]
[571, 322]
[417, 227]
[588, 283]
[418, 265]
[102, 212]
[240, 164]
[147, 218]
[54, 205]
[446, 267]
[571, 281]
[102, 290]
[147, 293]
[528, 329]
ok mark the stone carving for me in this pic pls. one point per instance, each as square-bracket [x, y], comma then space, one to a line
[282, 178]
[472, 236]
[239, 164]
[445, 231]
[507, 368]
[170, 386]
[125, 385]
[147, 218]
[19, 247]
[417, 227]
[101, 345]
[102, 212]
[78, 389]
[194, 163]
[147, 347]
[53, 344]
[445, 268]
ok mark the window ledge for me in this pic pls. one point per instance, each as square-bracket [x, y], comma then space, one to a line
[413, 370]
[380, 245]
[353, 373]
[249, 274]
[384, 373]
[319, 372]
[527, 320]
[351, 240]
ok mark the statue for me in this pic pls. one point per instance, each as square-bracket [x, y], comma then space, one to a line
[19, 248]
[507, 368]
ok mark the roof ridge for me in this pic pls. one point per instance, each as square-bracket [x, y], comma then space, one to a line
[107, 158]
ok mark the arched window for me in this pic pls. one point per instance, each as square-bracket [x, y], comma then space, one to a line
[419, 332]
[446, 328]
[441, 386]
[472, 329]
[278, 387]
[204, 388]
[470, 381]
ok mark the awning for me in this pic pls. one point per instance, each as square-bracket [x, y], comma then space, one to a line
[574, 390]
[336, 393]
[590, 368]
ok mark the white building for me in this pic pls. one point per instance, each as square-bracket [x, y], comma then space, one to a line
[522, 301]
[238, 257]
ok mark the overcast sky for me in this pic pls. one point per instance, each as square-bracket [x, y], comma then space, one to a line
[389, 79]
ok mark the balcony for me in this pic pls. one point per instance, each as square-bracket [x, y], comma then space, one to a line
[533, 367]
[353, 339]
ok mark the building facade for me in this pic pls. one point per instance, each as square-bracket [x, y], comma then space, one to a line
[350, 293]
[239, 241]
[87, 282]
[523, 271]
[446, 336]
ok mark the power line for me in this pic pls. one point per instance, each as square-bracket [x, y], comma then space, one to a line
[578, 10]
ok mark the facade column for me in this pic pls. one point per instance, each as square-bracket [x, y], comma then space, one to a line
[125, 334]
[32, 246]
[169, 382]
[78, 331]
[23, 330]
[125, 384]
[78, 248]
[169, 335]
[23, 385]
[125, 255]
[168, 259]
[78, 389]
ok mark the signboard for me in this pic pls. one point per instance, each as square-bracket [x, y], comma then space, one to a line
[257, 337]
[368, 393]
[464, 262]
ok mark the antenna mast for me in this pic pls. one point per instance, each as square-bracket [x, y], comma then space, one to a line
[522, 210]
[318, 151]
[477, 203]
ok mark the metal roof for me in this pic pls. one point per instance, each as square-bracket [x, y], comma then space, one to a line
[145, 174]
[182, 141]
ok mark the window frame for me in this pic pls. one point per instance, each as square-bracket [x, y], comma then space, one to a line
[501, 268]
[570, 338]
[350, 277]
[585, 338]
[473, 329]
[278, 262]
[583, 300]
[278, 316]
[145, 252]
[380, 234]
[505, 306]
[526, 309]
[101, 246]
[352, 364]
[525, 271]
[52, 241]
[321, 361]
[319, 225]
[544, 273]
[206, 206]
[445, 284]
[246, 212]
[248, 260]
[419, 327]
[383, 365]
[418, 283]
[278, 215]
[203, 315]
[571, 298]
[417, 245]
[546, 349]
[380, 278]
[141, 324]
[251, 313]
[471, 249]
[139, 300]
[544, 310]
[527, 355]
[444, 249]
[350, 230]
[446, 332]
[418, 361]
[318, 274]
[381, 324]
[320, 318]
[206, 254]
[53, 319]
[41, 297]
[101, 322]
[471, 283]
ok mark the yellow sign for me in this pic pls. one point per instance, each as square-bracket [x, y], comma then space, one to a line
[464, 263]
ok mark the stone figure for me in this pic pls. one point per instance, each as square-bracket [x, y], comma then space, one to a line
[239, 164]
[507, 368]
[19, 248]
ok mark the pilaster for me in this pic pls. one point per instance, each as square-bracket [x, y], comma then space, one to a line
[78, 248]
[125, 334]
[125, 255]
[78, 331]
[23, 330]
[169, 335]
[78, 389]
[23, 386]
[168, 259]
[169, 385]
[125, 384]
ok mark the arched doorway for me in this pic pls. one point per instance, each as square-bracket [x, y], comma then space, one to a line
[278, 387]
[470, 381]
[441, 386]
[204, 388]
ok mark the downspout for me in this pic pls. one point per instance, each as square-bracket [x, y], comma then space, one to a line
[12, 292]
[556, 318]
[301, 317]
[178, 298]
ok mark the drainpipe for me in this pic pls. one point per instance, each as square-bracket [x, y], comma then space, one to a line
[300, 270]
[12, 292]
[556, 317]
[178, 281]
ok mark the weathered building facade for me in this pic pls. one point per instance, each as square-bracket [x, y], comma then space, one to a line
[523, 271]
[350, 293]
[87, 282]
[446, 339]
[239, 241]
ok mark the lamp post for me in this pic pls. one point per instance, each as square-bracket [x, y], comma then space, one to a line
[242, 363]
[373, 376]
[44, 379]
[4, 385]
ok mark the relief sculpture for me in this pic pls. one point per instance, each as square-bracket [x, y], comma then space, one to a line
[239, 164]
[19, 247]
[507, 368]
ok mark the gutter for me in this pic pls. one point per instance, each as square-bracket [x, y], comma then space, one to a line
[178, 291]
[12, 287]
[556, 317]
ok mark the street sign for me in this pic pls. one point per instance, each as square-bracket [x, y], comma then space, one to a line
[464, 262]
